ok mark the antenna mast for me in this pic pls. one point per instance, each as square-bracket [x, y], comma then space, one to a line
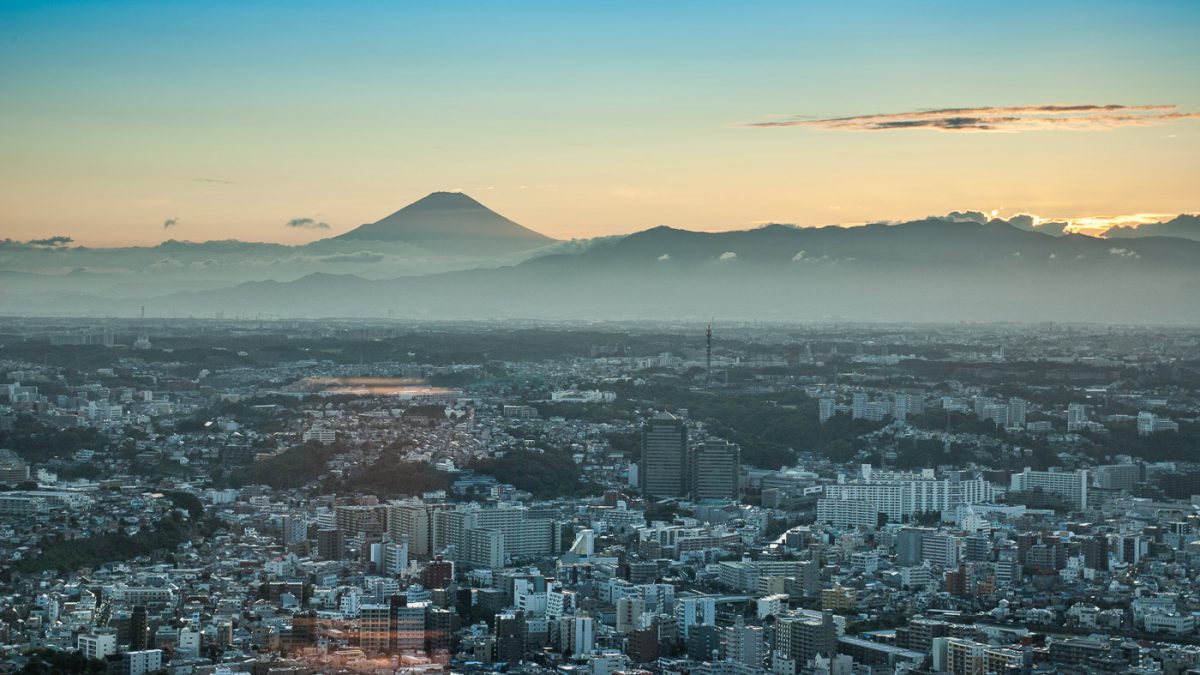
[708, 355]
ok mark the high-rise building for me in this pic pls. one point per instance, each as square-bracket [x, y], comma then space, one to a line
[1072, 486]
[510, 637]
[1076, 417]
[704, 643]
[141, 661]
[1017, 408]
[578, 634]
[744, 644]
[940, 550]
[353, 519]
[330, 545]
[695, 610]
[395, 557]
[408, 625]
[374, 628]
[1117, 476]
[664, 457]
[98, 645]
[802, 637]
[858, 405]
[295, 529]
[629, 613]
[825, 409]
[413, 521]
[1148, 423]
[908, 545]
[899, 495]
[139, 629]
[486, 537]
[903, 405]
[440, 624]
[713, 470]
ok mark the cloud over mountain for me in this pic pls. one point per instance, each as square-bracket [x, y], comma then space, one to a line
[51, 242]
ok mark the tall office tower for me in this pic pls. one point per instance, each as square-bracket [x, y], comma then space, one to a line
[664, 455]
[713, 470]
[1076, 417]
[139, 630]
[825, 409]
[858, 405]
[1016, 412]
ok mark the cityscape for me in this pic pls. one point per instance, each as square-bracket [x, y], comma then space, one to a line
[622, 338]
[346, 496]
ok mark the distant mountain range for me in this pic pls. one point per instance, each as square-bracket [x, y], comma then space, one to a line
[936, 269]
[1184, 226]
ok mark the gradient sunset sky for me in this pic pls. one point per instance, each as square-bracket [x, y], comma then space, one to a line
[233, 119]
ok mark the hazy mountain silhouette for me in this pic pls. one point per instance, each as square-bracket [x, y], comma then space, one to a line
[1184, 226]
[927, 270]
[450, 223]
[441, 232]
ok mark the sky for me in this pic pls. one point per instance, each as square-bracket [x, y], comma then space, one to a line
[134, 122]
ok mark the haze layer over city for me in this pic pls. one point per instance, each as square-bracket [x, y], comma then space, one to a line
[600, 339]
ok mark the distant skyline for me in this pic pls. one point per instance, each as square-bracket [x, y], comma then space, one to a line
[135, 122]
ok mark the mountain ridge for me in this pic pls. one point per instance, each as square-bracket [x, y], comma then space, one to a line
[926, 270]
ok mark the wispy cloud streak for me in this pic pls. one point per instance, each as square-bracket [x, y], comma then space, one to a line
[1085, 117]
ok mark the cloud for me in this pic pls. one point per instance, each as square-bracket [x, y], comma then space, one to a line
[967, 217]
[307, 223]
[1122, 253]
[664, 257]
[170, 222]
[727, 255]
[799, 256]
[52, 242]
[359, 257]
[1031, 223]
[1085, 117]
[214, 180]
